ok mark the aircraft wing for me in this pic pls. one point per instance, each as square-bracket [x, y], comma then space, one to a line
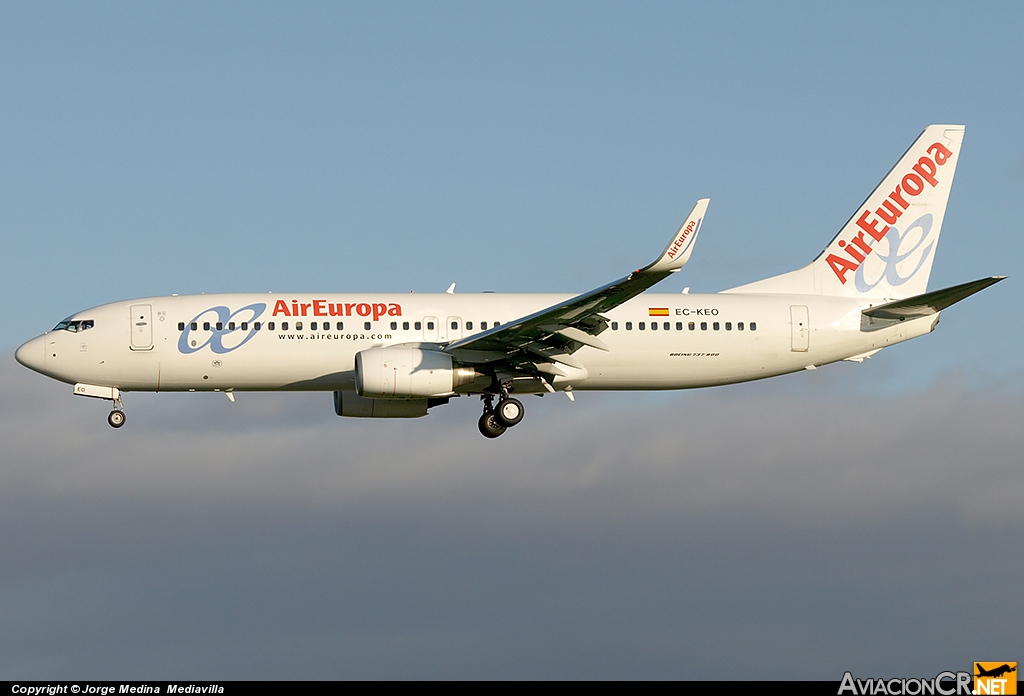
[553, 334]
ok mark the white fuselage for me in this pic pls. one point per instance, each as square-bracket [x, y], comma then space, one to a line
[309, 342]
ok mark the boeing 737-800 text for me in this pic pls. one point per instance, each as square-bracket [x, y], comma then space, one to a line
[398, 355]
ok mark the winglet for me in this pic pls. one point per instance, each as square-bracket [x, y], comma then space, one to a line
[678, 251]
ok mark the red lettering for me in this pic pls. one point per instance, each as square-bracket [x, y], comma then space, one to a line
[336, 310]
[305, 306]
[912, 182]
[840, 266]
[348, 308]
[394, 310]
[893, 213]
[379, 308]
[940, 153]
[295, 308]
[363, 309]
[871, 227]
[281, 308]
[318, 308]
[926, 169]
[852, 252]
[895, 195]
[861, 244]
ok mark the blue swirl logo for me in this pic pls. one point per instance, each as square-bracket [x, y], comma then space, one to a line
[895, 255]
[223, 340]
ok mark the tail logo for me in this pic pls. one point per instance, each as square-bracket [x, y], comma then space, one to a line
[896, 258]
[879, 224]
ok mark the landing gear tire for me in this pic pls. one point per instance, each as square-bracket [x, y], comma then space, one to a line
[116, 419]
[490, 425]
[510, 411]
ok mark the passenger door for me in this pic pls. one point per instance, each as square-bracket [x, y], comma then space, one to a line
[801, 328]
[142, 327]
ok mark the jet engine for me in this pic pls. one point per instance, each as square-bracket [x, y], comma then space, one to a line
[408, 372]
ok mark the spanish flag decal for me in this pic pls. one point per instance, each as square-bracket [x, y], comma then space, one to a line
[658, 311]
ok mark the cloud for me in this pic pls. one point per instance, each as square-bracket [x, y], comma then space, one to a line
[787, 529]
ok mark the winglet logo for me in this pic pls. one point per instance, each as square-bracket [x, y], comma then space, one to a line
[679, 245]
[995, 678]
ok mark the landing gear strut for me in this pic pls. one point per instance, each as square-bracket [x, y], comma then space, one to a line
[496, 421]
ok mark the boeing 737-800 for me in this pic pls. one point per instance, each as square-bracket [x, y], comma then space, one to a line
[398, 355]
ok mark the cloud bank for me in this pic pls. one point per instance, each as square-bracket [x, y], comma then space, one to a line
[790, 529]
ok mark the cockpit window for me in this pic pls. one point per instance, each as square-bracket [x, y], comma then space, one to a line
[74, 326]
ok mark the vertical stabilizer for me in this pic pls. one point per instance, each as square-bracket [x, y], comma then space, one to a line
[887, 248]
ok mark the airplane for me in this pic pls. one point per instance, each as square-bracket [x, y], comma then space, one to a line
[399, 355]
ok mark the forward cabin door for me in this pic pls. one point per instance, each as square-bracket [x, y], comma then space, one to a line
[801, 323]
[142, 327]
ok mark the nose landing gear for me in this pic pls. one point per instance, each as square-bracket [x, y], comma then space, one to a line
[496, 421]
[116, 417]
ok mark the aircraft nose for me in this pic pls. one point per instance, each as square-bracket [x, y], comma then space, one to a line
[32, 354]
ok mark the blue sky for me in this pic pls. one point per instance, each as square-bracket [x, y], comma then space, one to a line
[152, 149]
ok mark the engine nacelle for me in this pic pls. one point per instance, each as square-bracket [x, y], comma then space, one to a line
[348, 403]
[403, 372]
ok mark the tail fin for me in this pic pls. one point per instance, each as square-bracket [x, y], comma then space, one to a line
[886, 249]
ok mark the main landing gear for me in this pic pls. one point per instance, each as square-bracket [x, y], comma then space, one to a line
[496, 421]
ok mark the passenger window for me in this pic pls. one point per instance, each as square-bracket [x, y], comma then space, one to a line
[298, 326]
[715, 326]
[366, 326]
[753, 326]
[654, 326]
[245, 326]
[270, 326]
[340, 325]
[455, 324]
[615, 326]
[430, 326]
[181, 326]
[220, 326]
[417, 326]
[256, 325]
[312, 326]
[405, 326]
[666, 326]
[231, 326]
[629, 326]
[703, 326]
[194, 326]
[641, 326]
[394, 326]
[469, 326]
[206, 326]
[679, 326]
[728, 326]
[692, 326]
[739, 326]
[483, 326]
[497, 324]
[284, 326]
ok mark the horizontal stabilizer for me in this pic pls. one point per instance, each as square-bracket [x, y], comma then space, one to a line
[930, 302]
